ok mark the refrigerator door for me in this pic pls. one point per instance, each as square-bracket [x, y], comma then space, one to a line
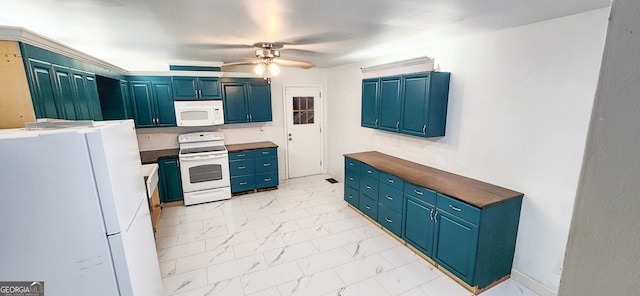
[116, 165]
[51, 226]
[135, 257]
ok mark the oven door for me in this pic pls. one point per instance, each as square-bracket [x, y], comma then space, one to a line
[202, 172]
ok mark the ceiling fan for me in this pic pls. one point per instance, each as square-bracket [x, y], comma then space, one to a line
[268, 60]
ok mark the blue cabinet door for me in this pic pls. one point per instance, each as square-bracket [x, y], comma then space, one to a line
[259, 101]
[170, 180]
[82, 100]
[185, 88]
[418, 224]
[65, 93]
[235, 103]
[370, 107]
[141, 96]
[416, 105]
[164, 109]
[93, 97]
[43, 90]
[390, 103]
[455, 246]
[209, 87]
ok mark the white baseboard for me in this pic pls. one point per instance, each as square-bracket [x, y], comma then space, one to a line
[532, 284]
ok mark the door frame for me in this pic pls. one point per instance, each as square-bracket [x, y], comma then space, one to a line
[323, 100]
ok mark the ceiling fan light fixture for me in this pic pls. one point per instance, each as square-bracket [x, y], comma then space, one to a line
[274, 69]
[259, 69]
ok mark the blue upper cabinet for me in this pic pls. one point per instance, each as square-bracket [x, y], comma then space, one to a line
[196, 88]
[152, 101]
[425, 104]
[246, 100]
[370, 109]
[390, 103]
[413, 104]
[43, 92]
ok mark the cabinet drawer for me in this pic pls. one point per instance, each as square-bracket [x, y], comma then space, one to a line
[241, 155]
[352, 164]
[390, 197]
[243, 183]
[367, 170]
[368, 206]
[351, 196]
[266, 164]
[352, 177]
[421, 193]
[390, 220]
[369, 186]
[242, 167]
[391, 180]
[458, 209]
[269, 179]
[267, 152]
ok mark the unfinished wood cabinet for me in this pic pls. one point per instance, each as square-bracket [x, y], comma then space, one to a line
[16, 107]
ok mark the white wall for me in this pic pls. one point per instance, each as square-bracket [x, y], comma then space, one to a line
[519, 107]
[164, 138]
[604, 238]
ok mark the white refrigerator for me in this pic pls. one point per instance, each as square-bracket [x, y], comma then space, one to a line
[73, 211]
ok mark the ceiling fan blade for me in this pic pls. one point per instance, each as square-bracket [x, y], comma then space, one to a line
[218, 46]
[292, 63]
[318, 38]
[245, 62]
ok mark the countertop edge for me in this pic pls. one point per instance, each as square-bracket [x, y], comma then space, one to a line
[250, 146]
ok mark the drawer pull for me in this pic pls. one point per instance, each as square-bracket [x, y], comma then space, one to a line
[389, 197]
[265, 152]
[435, 218]
[368, 187]
[388, 220]
[242, 167]
[266, 164]
[431, 215]
[241, 155]
[351, 178]
[369, 172]
[350, 196]
[368, 207]
[390, 180]
[455, 209]
[243, 183]
[267, 179]
[350, 164]
[418, 192]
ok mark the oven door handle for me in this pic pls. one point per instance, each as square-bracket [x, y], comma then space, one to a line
[201, 157]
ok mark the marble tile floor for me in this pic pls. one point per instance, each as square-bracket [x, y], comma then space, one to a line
[300, 239]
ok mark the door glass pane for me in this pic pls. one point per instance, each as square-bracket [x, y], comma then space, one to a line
[303, 110]
[205, 173]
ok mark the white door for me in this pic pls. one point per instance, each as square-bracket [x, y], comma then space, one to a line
[303, 108]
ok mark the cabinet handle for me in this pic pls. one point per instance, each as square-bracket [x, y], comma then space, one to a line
[350, 164]
[267, 179]
[455, 208]
[390, 180]
[265, 152]
[388, 220]
[368, 207]
[389, 197]
[424, 129]
[243, 183]
[350, 178]
[368, 187]
[350, 196]
[240, 155]
[435, 217]
[431, 215]
[397, 125]
[369, 172]
[250, 117]
[418, 192]
[266, 164]
[376, 124]
[242, 167]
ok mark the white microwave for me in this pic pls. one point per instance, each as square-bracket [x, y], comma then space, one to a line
[199, 113]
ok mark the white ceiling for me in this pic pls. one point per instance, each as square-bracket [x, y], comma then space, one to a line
[140, 35]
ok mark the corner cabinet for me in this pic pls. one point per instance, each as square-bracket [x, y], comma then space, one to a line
[196, 88]
[152, 99]
[253, 166]
[413, 104]
[465, 227]
[246, 100]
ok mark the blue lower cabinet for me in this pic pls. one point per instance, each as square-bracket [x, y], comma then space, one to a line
[351, 195]
[456, 245]
[390, 197]
[368, 206]
[170, 181]
[253, 169]
[390, 220]
[419, 224]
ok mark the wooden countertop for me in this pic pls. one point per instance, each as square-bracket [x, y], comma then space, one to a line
[250, 146]
[152, 156]
[471, 191]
